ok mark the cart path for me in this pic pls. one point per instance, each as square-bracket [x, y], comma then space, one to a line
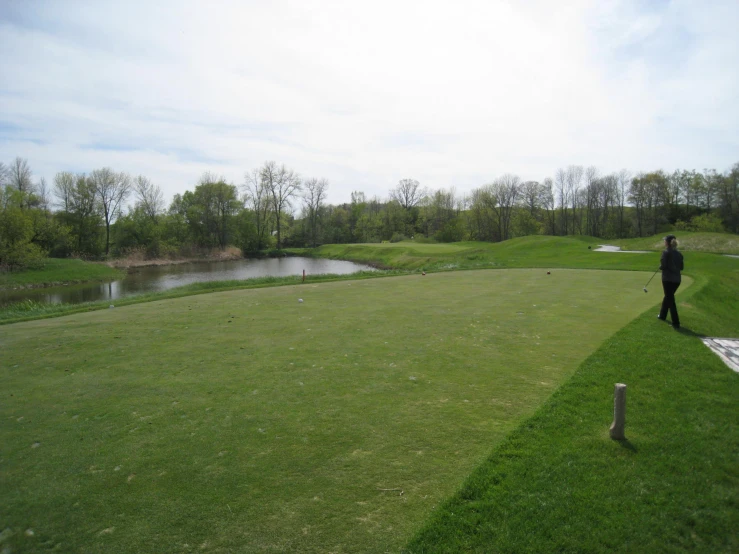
[726, 349]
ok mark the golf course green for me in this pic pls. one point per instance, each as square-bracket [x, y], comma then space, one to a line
[358, 419]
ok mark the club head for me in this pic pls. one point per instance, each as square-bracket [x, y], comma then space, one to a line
[645, 289]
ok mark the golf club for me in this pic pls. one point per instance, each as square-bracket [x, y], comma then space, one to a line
[650, 280]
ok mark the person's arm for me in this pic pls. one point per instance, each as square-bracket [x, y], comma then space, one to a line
[663, 261]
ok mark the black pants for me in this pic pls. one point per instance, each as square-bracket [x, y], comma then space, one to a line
[668, 302]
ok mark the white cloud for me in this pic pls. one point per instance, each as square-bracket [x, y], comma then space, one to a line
[365, 94]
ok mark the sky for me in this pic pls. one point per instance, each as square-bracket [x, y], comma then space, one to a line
[366, 93]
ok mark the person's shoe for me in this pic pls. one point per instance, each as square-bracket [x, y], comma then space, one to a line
[676, 327]
[660, 318]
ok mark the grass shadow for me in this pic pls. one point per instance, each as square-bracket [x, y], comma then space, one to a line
[627, 444]
[686, 331]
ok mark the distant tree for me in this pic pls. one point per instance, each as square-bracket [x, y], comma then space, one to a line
[505, 189]
[282, 184]
[257, 198]
[549, 204]
[64, 183]
[313, 197]
[43, 194]
[560, 182]
[483, 220]
[439, 212]
[622, 194]
[530, 196]
[20, 176]
[407, 193]
[728, 198]
[211, 211]
[149, 197]
[17, 249]
[82, 215]
[574, 180]
[111, 189]
[4, 175]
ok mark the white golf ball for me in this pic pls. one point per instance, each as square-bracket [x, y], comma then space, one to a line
[300, 300]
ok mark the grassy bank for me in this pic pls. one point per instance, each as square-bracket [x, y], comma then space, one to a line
[532, 251]
[30, 310]
[55, 271]
[560, 484]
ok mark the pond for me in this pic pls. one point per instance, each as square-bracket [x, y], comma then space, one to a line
[165, 277]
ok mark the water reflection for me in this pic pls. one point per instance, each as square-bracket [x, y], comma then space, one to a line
[160, 278]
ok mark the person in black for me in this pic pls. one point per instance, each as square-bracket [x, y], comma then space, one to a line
[671, 265]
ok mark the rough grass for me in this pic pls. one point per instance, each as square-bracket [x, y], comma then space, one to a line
[718, 243]
[246, 421]
[559, 484]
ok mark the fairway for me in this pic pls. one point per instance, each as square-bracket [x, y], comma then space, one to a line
[246, 421]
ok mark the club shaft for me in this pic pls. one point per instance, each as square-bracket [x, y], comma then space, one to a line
[650, 279]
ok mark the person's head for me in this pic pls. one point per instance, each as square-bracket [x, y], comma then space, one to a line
[670, 241]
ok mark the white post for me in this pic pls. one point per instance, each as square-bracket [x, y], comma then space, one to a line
[619, 412]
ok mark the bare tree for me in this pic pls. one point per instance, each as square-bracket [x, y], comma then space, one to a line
[20, 178]
[591, 197]
[440, 209]
[550, 206]
[574, 178]
[505, 189]
[256, 197]
[210, 177]
[313, 197]
[148, 197]
[483, 220]
[607, 199]
[42, 193]
[531, 196]
[407, 193]
[622, 194]
[282, 185]
[4, 175]
[111, 189]
[560, 180]
[64, 185]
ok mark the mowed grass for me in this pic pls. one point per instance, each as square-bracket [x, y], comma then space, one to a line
[247, 421]
[559, 484]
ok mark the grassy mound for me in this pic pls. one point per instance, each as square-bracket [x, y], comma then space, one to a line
[55, 271]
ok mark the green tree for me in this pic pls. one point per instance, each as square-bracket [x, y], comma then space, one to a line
[210, 211]
[16, 231]
[79, 211]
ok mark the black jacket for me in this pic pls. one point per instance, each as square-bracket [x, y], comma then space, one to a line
[671, 265]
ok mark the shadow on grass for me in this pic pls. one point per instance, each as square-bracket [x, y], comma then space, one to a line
[627, 444]
[685, 331]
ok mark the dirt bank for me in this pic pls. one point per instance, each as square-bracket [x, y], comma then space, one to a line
[138, 260]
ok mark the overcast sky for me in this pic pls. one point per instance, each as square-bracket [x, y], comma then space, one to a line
[366, 93]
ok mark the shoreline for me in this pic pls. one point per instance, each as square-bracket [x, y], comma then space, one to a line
[127, 263]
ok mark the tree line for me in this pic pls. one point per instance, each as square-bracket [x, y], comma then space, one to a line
[108, 213]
